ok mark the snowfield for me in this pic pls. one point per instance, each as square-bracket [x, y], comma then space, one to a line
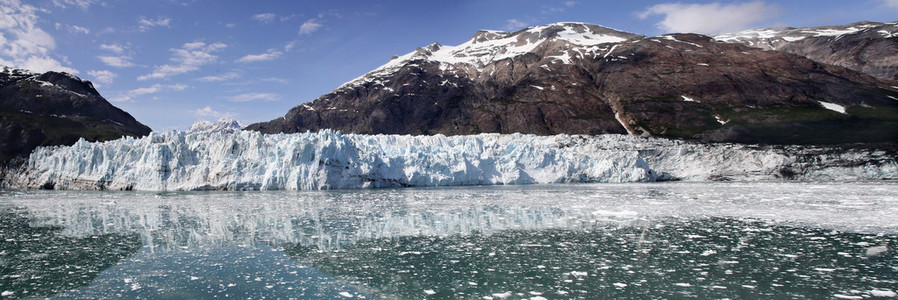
[245, 160]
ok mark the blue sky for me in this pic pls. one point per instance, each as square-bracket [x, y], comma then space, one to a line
[171, 62]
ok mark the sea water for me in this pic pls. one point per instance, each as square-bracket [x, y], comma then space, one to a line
[589, 241]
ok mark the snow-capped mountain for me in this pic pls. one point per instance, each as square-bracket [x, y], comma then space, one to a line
[331, 160]
[579, 78]
[55, 108]
[868, 47]
[223, 125]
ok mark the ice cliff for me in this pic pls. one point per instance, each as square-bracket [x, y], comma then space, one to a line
[330, 160]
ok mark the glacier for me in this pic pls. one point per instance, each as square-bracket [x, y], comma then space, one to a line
[246, 160]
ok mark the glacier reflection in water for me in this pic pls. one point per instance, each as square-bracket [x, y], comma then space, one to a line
[330, 219]
[579, 240]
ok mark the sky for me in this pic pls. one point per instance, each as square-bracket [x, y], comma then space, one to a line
[171, 62]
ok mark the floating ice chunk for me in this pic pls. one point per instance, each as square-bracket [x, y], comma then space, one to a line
[708, 252]
[7, 293]
[876, 251]
[619, 284]
[429, 292]
[843, 296]
[883, 293]
[833, 107]
[502, 295]
[579, 274]
[346, 294]
[682, 284]
[617, 214]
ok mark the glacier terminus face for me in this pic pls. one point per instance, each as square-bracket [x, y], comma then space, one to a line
[244, 160]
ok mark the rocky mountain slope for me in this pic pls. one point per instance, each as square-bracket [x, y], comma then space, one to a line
[586, 79]
[55, 109]
[867, 47]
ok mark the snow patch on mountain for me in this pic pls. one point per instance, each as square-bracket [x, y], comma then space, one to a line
[833, 107]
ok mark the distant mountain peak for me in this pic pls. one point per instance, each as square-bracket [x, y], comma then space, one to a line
[868, 47]
[223, 125]
[487, 46]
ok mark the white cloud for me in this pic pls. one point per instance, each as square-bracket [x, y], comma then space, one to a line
[211, 113]
[271, 54]
[114, 48]
[265, 18]
[711, 17]
[254, 97]
[102, 76]
[22, 43]
[514, 24]
[83, 4]
[309, 27]
[188, 58]
[156, 88]
[221, 77]
[891, 3]
[144, 24]
[79, 29]
[116, 61]
[275, 79]
[73, 28]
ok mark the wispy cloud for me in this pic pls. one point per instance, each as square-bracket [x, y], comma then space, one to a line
[220, 77]
[255, 97]
[271, 54]
[144, 23]
[208, 112]
[73, 28]
[116, 61]
[114, 48]
[22, 43]
[514, 24]
[711, 17]
[890, 3]
[82, 4]
[127, 96]
[275, 79]
[309, 26]
[265, 18]
[187, 59]
[102, 76]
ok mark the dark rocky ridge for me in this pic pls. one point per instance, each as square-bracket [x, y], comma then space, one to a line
[681, 86]
[55, 109]
[868, 47]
